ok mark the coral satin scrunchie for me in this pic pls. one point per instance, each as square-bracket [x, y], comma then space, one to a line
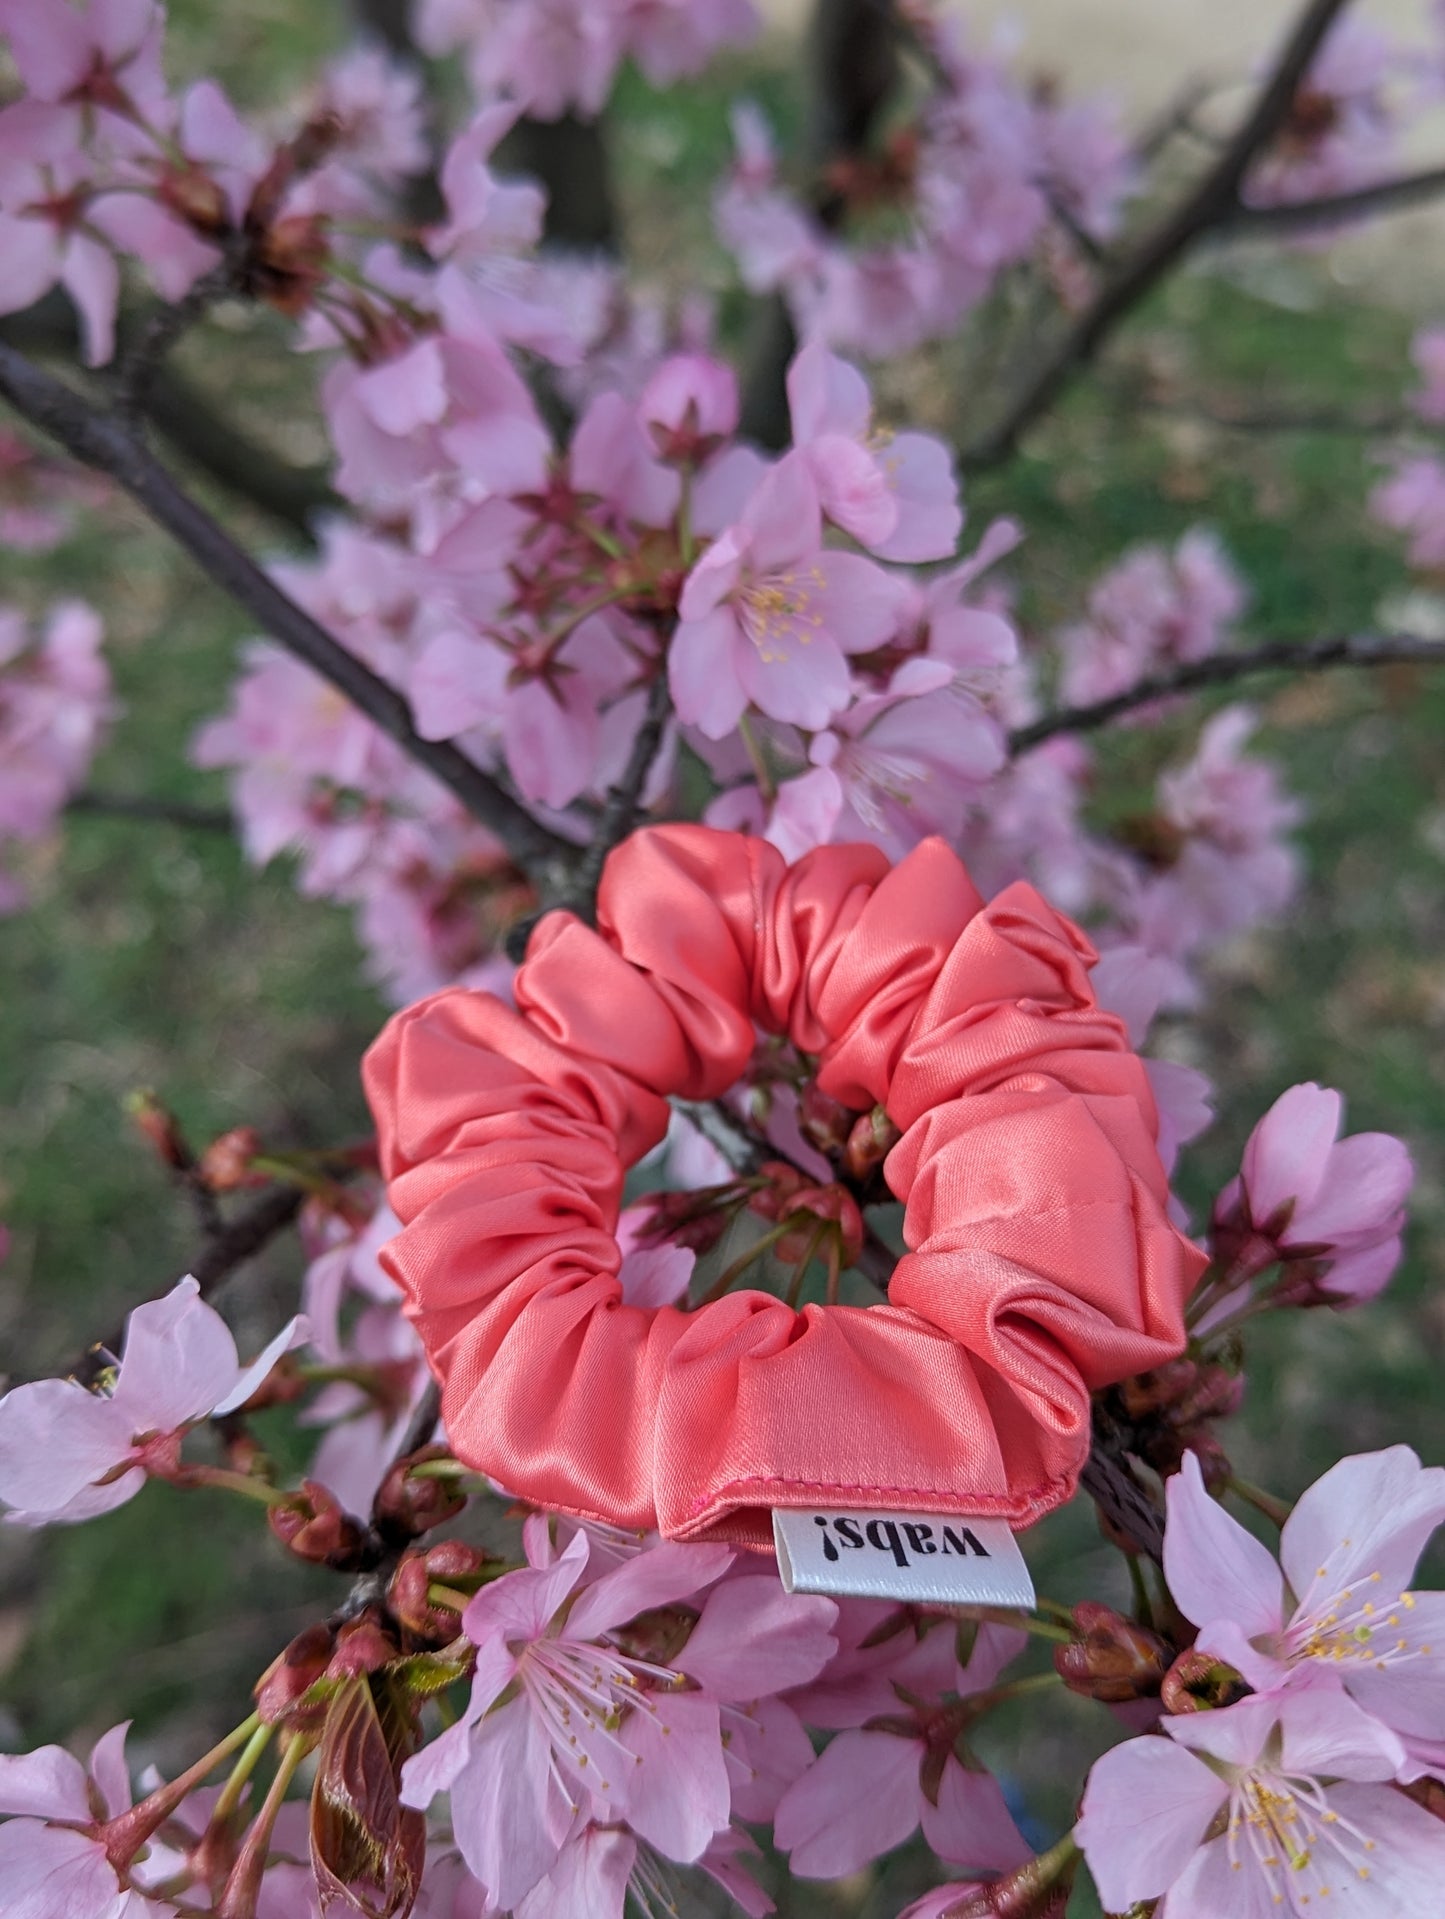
[1041, 1259]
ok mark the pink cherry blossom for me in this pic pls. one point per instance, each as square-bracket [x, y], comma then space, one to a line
[1343, 126]
[374, 108]
[673, 38]
[52, 1865]
[895, 493]
[1412, 501]
[689, 406]
[47, 240]
[562, 1723]
[1337, 1205]
[903, 1765]
[67, 1454]
[1347, 1551]
[767, 615]
[1300, 1787]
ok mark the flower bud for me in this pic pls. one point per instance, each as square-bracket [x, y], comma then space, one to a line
[1115, 1660]
[362, 1645]
[871, 1141]
[407, 1505]
[159, 1125]
[291, 1676]
[1198, 1682]
[226, 1162]
[311, 1524]
[823, 1121]
[451, 1562]
[193, 196]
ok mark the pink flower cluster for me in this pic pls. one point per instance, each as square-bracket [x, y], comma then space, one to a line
[55, 706]
[1344, 125]
[1411, 500]
[633, 1700]
[1153, 610]
[561, 56]
[1287, 1798]
[989, 173]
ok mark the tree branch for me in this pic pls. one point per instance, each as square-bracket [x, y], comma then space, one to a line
[107, 445]
[1287, 656]
[619, 814]
[1333, 209]
[236, 1242]
[1211, 203]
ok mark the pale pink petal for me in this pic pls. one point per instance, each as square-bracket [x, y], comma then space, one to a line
[1284, 1160]
[457, 680]
[768, 1748]
[783, 519]
[108, 1769]
[1238, 1734]
[433, 1769]
[653, 1276]
[32, 261]
[1326, 1733]
[296, 1332]
[678, 1797]
[1228, 1641]
[509, 1812]
[410, 391]
[520, 1605]
[826, 395]
[1147, 1807]
[179, 1359]
[1407, 1863]
[49, 1783]
[589, 1880]
[971, 1825]
[802, 677]
[859, 1800]
[1210, 1887]
[805, 812]
[721, 490]
[50, 1872]
[702, 673]
[1354, 1278]
[1367, 1180]
[853, 489]
[91, 276]
[1370, 1513]
[1407, 1693]
[754, 1639]
[859, 602]
[1215, 1569]
[919, 471]
[715, 577]
[55, 1439]
[663, 1575]
[721, 1862]
[51, 45]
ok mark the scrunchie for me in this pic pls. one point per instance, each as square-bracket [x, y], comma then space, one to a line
[1041, 1263]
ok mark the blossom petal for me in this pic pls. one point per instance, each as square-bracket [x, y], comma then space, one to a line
[589, 1880]
[859, 602]
[1408, 1694]
[509, 1813]
[971, 1825]
[783, 518]
[661, 1576]
[296, 1332]
[859, 1800]
[1325, 1732]
[179, 1360]
[801, 678]
[1284, 1160]
[55, 1440]
[753, 1639]
[521, 1605]
[1367, 1180]
[1215, 1569]
[49, 1783]
[1147, 1807]
[1371, 1513]
[702, 673]
[678, 1797]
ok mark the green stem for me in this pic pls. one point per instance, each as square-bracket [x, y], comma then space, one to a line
[745, 1259]
[795, 1285]
[1014, 1689]
[755, 754]
[449, 1597]
[1143, 1604]
[243, 1483]
[1276, 1510]
[440, 1469]
[1021, 1621]
[231, 1792]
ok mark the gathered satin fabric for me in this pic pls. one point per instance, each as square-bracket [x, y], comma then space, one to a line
[1041, 1260]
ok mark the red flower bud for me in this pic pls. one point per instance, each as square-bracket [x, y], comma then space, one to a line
[159, 1125]
[823, 1121]
[312, 1525]
[406, 1505]
[1198, 1682]
[362, 1645]
[871, 1141]
[226, 1162]
[1115, 1660]
[291, 1676]
[451, 1562]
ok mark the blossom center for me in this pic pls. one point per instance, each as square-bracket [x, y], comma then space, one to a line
[1349, 1628]
[1287, 1827]
[779, 608]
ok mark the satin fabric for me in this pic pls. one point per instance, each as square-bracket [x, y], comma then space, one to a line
[1041, 1259]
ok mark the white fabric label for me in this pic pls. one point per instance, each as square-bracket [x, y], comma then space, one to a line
[906, 1556]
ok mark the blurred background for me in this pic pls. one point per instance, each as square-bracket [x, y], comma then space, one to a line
[155, 956]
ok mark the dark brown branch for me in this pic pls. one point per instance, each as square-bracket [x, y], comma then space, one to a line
[140, 361]
[236, 1242]
[142, 806]
[1211, 203]
[104, 443]
[1277, 656]
[853, 52]
[1335, 209]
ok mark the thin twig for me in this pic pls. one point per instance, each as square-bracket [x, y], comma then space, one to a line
[1209, 204]
[1287, 656]
[109, 446]
[1282, 419]
[237, 1241]
[1334, 209]
[143, 806]
[141, 361]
